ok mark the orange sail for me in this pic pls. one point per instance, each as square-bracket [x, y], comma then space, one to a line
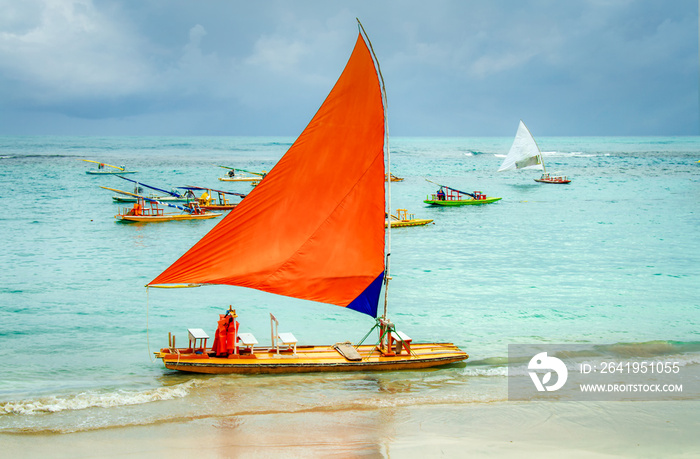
[314, 227]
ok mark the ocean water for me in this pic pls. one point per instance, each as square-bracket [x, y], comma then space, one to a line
[610, 261]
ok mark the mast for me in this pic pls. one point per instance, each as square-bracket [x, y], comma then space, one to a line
[544, 169]
[387, 180]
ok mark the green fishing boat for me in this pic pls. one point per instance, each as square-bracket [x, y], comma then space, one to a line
[446, 196]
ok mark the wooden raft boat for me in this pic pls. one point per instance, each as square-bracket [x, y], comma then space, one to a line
[285, 356]
[147, 210]
[334, 251]
[153, 217]
[312, 359]
[404, 219]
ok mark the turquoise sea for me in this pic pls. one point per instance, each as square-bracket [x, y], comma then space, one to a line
[610, 261]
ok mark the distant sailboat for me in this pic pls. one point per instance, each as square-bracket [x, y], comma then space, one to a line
[313, 229]
[525, 153]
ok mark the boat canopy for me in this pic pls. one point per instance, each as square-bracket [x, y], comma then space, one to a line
[314, 227]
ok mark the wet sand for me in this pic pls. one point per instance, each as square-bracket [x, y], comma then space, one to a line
[498, 429]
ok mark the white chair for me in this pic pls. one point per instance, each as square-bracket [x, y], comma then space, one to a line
[402, 340]
[197, 334]
[286, 339]
[248, 340]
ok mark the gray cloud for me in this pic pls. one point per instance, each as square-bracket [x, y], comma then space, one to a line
[452, 67]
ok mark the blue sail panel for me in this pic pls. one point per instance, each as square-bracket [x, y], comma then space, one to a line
[368, 300]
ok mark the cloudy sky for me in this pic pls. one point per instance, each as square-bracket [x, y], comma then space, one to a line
[263, 67]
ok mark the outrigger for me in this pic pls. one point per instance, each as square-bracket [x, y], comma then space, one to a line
[446, 196]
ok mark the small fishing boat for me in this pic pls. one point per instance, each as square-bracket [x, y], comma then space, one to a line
[101, 169]
[148, 211]
[288, 239]
[403, 219]
[546, 178]
[447, 196]
[393, 178]
[231, 175]
[207, 201]
[526, 154]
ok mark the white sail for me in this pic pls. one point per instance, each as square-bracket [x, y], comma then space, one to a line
[524, 153]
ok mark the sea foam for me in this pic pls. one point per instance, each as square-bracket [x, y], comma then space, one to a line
[83, 400]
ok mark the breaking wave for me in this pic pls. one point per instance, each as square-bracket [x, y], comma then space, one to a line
[84, 400]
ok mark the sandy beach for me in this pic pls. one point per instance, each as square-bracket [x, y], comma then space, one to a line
[500, 429]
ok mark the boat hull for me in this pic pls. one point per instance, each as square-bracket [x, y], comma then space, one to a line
[242, 179]
[314, 359]
[163, 218]
[460, 202]
[560, 182]
[405, 223]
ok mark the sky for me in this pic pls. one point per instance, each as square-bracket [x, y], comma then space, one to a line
[453, 68]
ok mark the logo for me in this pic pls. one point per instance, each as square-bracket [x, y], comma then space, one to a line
[542, 362]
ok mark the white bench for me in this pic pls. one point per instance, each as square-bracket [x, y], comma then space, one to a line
[286, 339]
[403, 341]
[197, 334]
[248, 340]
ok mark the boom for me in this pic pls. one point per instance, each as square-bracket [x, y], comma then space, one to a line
[171, 193]
[453, 189]
[186, 209]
